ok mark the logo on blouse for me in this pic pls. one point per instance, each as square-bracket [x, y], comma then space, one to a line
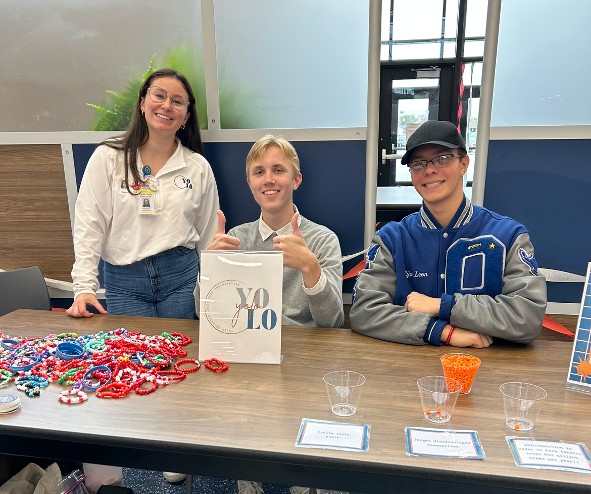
[182, 182]
[249, 306]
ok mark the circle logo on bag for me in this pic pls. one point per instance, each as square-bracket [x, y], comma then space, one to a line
[232, 307]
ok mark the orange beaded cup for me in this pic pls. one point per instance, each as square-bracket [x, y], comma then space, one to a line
[462, 367]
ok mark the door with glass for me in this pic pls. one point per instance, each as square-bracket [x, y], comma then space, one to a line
[409, 95]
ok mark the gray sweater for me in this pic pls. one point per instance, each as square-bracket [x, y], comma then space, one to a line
[324, 309]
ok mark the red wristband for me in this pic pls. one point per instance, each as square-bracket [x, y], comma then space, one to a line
[451, 331]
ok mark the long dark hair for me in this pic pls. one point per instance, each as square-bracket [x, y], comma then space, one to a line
[137, 133]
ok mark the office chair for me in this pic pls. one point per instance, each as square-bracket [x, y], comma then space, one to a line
[23, 289]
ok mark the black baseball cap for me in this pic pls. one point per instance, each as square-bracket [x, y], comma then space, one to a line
[442, 133]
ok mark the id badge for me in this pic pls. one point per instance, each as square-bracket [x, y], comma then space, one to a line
[147, 197]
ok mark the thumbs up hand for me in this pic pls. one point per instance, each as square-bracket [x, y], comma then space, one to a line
[222, 241]
[296, 254]
[295, 225]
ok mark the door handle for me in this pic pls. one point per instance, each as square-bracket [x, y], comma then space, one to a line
[386, 157]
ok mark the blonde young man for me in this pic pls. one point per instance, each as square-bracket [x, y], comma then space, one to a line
[453, 273]
[313, 272]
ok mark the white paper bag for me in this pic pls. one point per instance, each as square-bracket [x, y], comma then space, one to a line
[241, 306]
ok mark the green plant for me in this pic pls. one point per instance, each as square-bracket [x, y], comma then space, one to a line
[115, 113]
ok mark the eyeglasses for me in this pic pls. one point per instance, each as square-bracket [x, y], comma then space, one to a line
[438, 162]
[159, 95]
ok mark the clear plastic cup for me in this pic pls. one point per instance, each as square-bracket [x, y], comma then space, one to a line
[438, 397]
[522, 403]
[72, 484]
[344, 390]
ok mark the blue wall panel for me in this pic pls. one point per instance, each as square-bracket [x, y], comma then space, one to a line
[544, 184]
[332, 192]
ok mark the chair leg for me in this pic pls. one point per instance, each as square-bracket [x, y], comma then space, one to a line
[189, 484]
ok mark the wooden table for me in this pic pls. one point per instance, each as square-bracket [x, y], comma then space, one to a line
[243, 423]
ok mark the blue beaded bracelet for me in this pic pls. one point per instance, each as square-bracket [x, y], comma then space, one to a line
[88, 374]
[69, 351]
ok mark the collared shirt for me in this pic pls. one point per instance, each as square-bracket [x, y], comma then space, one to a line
[266, 231]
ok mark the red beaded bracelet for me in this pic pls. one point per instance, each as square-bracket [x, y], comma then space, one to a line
[451, 331]
[216, 365]
[113, 390]
[145, 391]
[195, 368]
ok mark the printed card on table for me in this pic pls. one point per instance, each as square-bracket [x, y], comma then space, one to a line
[579, 373]
[550, 455]
[443, 443]
[241, 306]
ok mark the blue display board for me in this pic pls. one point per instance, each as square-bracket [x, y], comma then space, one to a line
[579, 375]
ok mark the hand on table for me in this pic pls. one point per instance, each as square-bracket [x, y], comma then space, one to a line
[80, 306]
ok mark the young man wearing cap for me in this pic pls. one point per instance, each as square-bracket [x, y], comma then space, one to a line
[452, 273]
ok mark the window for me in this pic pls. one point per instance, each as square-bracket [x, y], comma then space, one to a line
[431, 70]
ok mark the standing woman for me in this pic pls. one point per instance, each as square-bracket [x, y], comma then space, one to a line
[147, 205]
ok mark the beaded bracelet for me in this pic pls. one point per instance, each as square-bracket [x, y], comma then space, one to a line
[144, 391]
[173, 375]
[182, 339]
[157, 359]
[195, 367]
[5, 377]
[95, 346]
[451, 331]
[63, 336]
[29, 388]
[71, 396]
[36, 380]
[113, 390]
[216, 365]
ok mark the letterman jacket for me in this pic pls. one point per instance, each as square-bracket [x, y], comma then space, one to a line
[481, 266]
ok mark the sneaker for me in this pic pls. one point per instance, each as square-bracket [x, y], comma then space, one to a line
[174, 478]
[249, 487]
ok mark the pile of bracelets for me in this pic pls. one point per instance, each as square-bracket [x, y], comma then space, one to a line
[111, 364]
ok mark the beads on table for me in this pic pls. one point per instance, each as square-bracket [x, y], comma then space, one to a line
[112, 364]
[113, 390]
[194, 368]
[72, 396]
[216, 365]
[30, 385]
[5, 377]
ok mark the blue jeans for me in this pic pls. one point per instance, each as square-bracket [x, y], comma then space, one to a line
[159, 286]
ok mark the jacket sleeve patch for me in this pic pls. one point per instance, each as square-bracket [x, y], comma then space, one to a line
[371, 255]
[529, 260]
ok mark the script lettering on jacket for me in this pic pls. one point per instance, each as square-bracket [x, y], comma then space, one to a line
[260, 300]
[474, 246]
[416, 274]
